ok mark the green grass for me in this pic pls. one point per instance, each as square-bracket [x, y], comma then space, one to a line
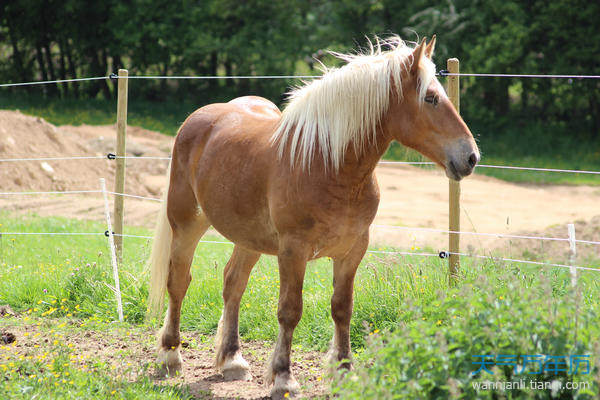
[61, 275]
[530, 144]
[67, 275]
[52, 278]
[55, 378]
[55, 368]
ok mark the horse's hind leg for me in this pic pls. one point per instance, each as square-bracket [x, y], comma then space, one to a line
[235, 278]
[188, 226]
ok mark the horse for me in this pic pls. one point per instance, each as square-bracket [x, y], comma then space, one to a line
[300, 185]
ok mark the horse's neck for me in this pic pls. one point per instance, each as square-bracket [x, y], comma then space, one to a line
[358, 165]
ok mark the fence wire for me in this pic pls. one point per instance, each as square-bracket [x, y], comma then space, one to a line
[442, 254]
[441, 73]
[112, 156]
[498, 235]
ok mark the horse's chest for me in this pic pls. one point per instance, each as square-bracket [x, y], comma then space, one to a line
[351, 211]
[341, 220]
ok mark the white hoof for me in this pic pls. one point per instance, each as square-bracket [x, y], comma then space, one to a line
[169, 362]
[236, 369]
[284, 384]
[333, 362]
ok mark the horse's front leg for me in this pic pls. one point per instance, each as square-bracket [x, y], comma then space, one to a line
[292, 258]
[344, 270]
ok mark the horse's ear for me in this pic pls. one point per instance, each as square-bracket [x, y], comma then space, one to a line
[430, 47]
[417, 55]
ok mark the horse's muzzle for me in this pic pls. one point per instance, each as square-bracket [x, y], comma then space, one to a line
[462, 164]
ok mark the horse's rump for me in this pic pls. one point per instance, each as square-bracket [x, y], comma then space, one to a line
[223, 152]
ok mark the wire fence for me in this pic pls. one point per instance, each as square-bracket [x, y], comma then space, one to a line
[442, 254]
[111, 156]
[441, 73]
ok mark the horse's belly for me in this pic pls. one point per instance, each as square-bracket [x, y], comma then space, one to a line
[230, 175]
[235, 203]
[251, 232]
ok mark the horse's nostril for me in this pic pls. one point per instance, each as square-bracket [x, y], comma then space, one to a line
[473, 160]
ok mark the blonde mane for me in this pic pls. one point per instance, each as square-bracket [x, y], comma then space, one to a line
[346, 104]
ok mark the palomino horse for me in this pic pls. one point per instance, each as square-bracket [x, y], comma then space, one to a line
[299, 185]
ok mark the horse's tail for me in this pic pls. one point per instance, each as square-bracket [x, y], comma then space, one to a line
[158, 263]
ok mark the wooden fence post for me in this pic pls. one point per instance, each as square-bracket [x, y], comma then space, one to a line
[454, 186]
[120, 171]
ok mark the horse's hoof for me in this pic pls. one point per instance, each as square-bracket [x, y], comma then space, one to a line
[335, 364]
[235, 368]
[285, 386]
[166, 371]
[237, 374]
[169, 363]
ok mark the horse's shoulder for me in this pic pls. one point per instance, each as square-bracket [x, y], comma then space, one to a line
[257, 106]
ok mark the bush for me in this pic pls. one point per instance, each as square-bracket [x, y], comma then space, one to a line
[434, 358]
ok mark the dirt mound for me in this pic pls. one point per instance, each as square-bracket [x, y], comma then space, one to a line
[23, 136]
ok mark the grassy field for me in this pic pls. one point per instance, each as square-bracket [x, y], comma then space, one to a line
[38, 272]
[498, 308]
[531, 145]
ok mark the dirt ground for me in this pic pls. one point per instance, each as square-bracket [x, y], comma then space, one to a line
[129, 359]
[410, 196]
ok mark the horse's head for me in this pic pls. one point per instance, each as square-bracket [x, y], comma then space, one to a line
[424, 118]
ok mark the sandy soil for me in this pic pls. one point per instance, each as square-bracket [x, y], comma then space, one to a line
[410, 196]
[419, 198]
[129, 359]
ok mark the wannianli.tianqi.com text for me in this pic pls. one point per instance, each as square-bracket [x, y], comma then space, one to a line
[522, 384]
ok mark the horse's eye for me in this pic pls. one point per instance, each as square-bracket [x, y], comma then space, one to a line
[432, 100]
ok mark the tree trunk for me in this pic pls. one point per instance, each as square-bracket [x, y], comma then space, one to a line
[163, 82]
[387, 18]
[95, 69]
[104, 65]
[40, 59]
[525, 96]
[117, 63]
[496, 96]
[594, 111]
[18, 63]
[63, 68]
[72, 70]
[212, 70]
[228, 72]
[502, 96]
[53, 88]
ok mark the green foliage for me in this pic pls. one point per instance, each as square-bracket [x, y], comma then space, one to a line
[40, 41]
[431, 355]
[532, 122]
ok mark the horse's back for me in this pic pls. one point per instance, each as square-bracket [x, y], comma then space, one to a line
[259, 106]
[250, 119]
